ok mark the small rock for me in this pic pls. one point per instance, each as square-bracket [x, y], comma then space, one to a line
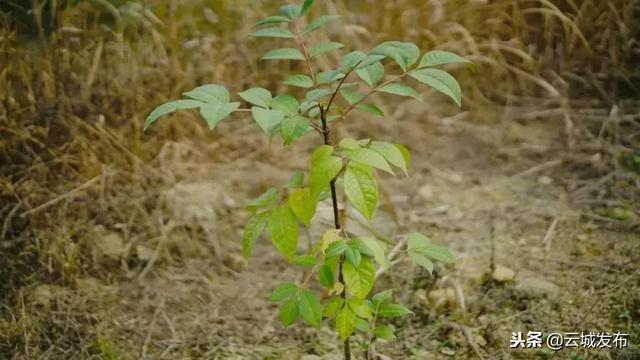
[111, 245]
[426, 192]
[503, 274]
[144, 253]
[545, 180]
[442, 298]
[537, 287]
[310, 357]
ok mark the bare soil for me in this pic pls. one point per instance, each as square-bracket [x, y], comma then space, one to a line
[499, 194]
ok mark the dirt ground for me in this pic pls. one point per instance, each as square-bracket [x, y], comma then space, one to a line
[498, 193]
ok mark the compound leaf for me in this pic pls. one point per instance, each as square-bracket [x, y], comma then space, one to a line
[393, 310]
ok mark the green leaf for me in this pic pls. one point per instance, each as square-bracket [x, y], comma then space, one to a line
[283, 54]
[405, 154]
[303, 204]
[326, 277]
[276, 32]
[327, 77]
[372, 74]
[336, 248]
[438, 57]
[289, 312]
[382, 297]
[419, 259]
[370, 157]
[370, 60]
[257, 96]
[215, 111]
[283, 229]
[320, 22]
[345, 322]
[384, 332]
[362, 325]
[400, 89]
[324, 167]
[305, 260]
[290, 11]
[391, 153]
[168, 108]
[255, 226]
[285, 103]
[404, 54]
[361, 189]
[302, 81]
[267, 119]
[378, 249]
[292, 128]
[352, 253]
[349, 144]
[393, 310]
[418, 243]
[440, 81]
[317, 94]
[305, 7]
[267, 198]
[273, 20]
[359, 280]
[325, 47]
[351, 96]
[361, 308]
[332, 306]
[371, 108]
[310, 308]
[351, 60]
[209, 93]
[296, 180]
[284, 291]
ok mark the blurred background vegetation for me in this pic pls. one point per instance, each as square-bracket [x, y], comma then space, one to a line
[78, 77]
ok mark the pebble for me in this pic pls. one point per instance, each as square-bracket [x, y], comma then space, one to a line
[503, 274]
[533, 286]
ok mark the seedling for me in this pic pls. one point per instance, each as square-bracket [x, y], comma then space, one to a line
[345, 266]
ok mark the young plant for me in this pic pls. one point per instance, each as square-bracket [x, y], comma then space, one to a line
[345, 266]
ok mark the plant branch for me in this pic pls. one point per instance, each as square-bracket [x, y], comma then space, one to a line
[307, 58]
[336, 218]
[373, 91]
[335, 93]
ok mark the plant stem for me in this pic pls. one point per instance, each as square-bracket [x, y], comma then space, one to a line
[336, 218]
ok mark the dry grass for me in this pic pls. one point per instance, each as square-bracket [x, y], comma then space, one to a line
[75, 165]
